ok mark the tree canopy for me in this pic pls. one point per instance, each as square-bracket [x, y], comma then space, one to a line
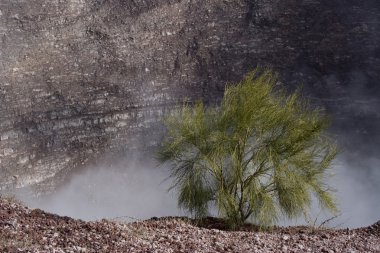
[260, 155]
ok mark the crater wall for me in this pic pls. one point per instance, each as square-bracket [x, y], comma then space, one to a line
[80, 79]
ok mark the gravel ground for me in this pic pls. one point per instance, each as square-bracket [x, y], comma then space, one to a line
[32, 230]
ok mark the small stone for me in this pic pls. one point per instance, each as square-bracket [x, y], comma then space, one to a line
[325, 250]
[325, 236]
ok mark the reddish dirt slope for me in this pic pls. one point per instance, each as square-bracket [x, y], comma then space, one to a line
[26, 230]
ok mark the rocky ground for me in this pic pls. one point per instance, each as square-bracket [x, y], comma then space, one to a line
[32, 230]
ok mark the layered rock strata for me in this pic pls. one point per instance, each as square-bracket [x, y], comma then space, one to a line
[82, 78]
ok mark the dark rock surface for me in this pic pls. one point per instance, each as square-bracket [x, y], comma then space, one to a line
[83, 78]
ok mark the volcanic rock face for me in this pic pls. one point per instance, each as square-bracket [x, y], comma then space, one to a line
[81, 78]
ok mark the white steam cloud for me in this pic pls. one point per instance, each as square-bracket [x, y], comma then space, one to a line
[141, 192]
[126, 193]
[358, 186]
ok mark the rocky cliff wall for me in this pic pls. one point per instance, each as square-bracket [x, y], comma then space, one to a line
[83, 78]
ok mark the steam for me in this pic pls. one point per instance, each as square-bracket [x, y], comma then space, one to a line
[358, 186]
[134, 191]
[127, 193]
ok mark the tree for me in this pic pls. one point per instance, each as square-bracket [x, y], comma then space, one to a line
[259, 156]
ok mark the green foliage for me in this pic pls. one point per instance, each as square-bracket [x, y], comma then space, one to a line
[260, 155]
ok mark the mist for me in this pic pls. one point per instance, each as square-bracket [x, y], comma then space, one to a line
[127, 191]
[135, 190]
[358, 185]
